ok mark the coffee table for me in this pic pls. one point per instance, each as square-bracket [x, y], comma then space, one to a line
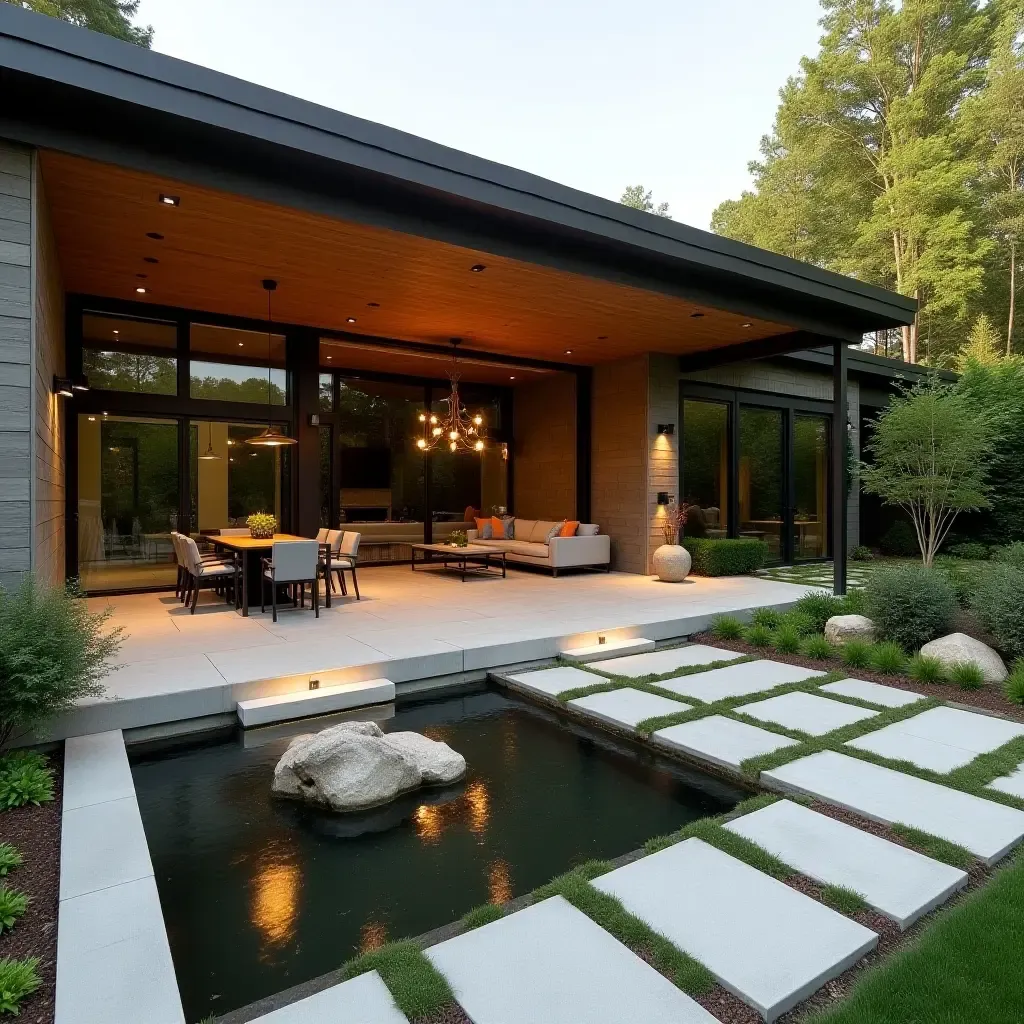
[474, 559]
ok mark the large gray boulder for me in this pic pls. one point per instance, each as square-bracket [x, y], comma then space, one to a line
[959, 647]
[841, 628]
[437, 762]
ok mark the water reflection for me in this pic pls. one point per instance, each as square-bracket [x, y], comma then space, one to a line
[499, 882]
[473, 807]
[372, 935]
[274, 902]
[479, 807]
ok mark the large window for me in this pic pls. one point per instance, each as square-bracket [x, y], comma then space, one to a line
[125, 354]
[127, 502]
[810, 481]
[230, 365]
[761, 475]
[705, 467]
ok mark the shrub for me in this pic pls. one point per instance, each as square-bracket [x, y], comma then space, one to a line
[970, 549]
[1012, 553]
[967, 675]
[856, 653]
[726, 627]
[862, 554]
[787, 640]
[817, 647]
[767, 617]
[53, 651]
[1013, 686]
[797, 621]
[899, 540]
[997, 604]
[819, 607]
[909, 604]
[24, 779]
[888, 658]
[12, 906]
[726, 556]
[18, 979]
[9, 858]
[961, 581]
[759, 636]
[852, 603]
[925, 669]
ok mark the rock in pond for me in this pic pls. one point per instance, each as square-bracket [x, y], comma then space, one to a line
[352, 766]
[841, 628]
[959, 647]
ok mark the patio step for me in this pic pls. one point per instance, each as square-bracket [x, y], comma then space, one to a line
[608, 649]
[284, 707]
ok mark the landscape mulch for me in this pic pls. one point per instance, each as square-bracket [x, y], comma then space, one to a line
[35, 832]
[451, 1013]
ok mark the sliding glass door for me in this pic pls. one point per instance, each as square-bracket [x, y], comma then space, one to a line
[810, 485]
[762, 467]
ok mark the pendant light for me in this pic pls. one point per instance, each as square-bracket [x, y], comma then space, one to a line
[272, 436]
[454, 428]
[209, 454]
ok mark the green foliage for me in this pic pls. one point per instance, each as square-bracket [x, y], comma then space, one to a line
[787, 639]
[726, 627]
[862, 553]
[18, 979]
[797, 621]
[888, 657]
[853, 602]
[970, 549]
[415, 984]
[925, 669]
[997, 604]
[960, 580]
[111, 17]
[759, 636]
[24, 779]
[846, 901]
[856, 653]
[10, 858]
[909, 604]
[899, 540]
[1013, 554]
[726, 556]
[817, 647]
[967, 675]
[639, 198]
[53, 651]
[484, 914]
[13, 904]
[262, 524]
[819, 606]
[1013, 685]
[767, 617]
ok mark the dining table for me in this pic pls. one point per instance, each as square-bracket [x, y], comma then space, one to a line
[251, 550]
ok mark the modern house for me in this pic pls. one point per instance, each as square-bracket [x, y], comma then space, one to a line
[618, 360]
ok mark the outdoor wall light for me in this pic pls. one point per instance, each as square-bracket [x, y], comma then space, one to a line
[478, 268]
[80, 382]
[62, 386]
[664, 498]
[170, 200]
[666, 428]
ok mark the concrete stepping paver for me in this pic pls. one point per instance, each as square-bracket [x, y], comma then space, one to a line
[658, 662]
[362, 1000]
[989, 830]
[628, 707]
[737, 680]
[723, 741]
[897, 882]
[941, 739]
[1012, 784]
[550, 964]
[873, 693]
[553, 681]
[766, 943]
[806, 712]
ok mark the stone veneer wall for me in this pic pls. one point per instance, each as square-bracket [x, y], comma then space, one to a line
[544, 413]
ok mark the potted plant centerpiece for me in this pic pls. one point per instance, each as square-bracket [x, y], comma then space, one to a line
[262, 525]
[671, 560]
[458, 539]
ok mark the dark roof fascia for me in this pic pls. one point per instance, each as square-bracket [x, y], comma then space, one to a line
[47, 48]
[867, 364]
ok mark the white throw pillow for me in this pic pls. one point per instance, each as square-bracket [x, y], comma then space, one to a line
[588, 530]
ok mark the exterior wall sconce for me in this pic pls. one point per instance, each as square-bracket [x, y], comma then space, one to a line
[664, 498]
[80, 383]
[666, 428]
[62, 386]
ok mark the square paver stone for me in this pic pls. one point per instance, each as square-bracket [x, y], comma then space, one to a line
[1012, 784]
[96, 769]
[550, 964]
[737, 680]
[723, 741]
[989, 830]
[897, 882]
[766, 943]
[873, 693]
[941, 739]
[627, 706]
[806, 712]
[657, 662]
[362, 1000]
[553, 681]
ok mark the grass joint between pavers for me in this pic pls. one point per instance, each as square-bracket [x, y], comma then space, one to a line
[417, 987]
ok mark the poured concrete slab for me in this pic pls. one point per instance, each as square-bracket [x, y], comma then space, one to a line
[989, 830]
[609, 649]
[766, 943]
[737, 680]
[900, 883]
[627, 707]
[96, 770]
[553, 681]
[873, 693]
[285, 707]
[806, 712]
[721, 740]
[550, 964]
[362, 1000]
[658, 662]
[1012, 784]
[941, 739]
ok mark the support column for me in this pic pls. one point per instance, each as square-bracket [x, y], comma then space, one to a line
[840, 354]
[304, 362]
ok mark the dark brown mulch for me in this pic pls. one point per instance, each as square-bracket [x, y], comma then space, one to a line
[987, 698]
[450, 1013]
[35, 831]
[727, 1007]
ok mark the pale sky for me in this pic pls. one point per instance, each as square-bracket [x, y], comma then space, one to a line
[596, 94]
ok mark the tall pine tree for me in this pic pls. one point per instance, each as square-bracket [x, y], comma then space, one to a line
[112, 17]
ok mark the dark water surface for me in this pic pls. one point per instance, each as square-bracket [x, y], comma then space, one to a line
[260, 894]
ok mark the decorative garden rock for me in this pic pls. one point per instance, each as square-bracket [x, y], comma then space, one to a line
[672, 563]
[959, 647]
[353, 766]
[841, 628]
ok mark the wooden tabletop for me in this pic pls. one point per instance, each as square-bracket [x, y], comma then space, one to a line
[238, 543]
[468, 549]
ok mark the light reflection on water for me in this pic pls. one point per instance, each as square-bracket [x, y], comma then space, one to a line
[274, 897]
[471, 810]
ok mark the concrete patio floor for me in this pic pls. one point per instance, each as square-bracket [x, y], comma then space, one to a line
[408, 627]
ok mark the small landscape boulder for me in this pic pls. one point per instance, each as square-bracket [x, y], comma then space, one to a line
[437, 762]
[959, 647]
[841, 628]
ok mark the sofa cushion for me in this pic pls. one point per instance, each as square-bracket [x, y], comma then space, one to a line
[483, 529]
[523, 529]
[522, 547]
[542, 531]
[588, 530]
[498, 527]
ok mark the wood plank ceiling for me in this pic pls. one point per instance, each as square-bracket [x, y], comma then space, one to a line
[213, 249]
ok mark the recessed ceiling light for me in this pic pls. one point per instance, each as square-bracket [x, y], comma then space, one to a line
[350, 319]
[150, 259]
[169, 200]
[155, 234]
[568, 351]
[602, 337]
[241, 344]
[141, 290]
[511, 378]
[330, 358]
[478, 268]
[374, 305]
[747, 325]
[92, 419]
[116, 331]
[696, 316]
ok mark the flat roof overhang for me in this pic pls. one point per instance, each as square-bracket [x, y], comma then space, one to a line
[121, 122]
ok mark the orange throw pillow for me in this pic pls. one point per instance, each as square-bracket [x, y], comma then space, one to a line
[568, 528]
[497, 528]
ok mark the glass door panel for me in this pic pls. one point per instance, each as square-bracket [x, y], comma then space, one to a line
[705, 459]
[810, 486]
[761, 475]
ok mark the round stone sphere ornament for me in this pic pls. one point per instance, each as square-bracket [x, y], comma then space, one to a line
[672, 563]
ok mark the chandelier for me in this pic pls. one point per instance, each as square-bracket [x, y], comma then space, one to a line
[454, 427]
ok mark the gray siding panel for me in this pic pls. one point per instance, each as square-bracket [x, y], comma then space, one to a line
[14, 185]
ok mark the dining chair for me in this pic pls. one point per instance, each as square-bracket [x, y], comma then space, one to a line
[348, 555]
[331, 542]
[321, 535]
[294, 562]
[209, 573]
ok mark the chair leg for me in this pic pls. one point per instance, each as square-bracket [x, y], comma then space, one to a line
[355, 583]
[341, 580]
[263, 591]
[273, 598]
[195, 596]
[316, 597]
